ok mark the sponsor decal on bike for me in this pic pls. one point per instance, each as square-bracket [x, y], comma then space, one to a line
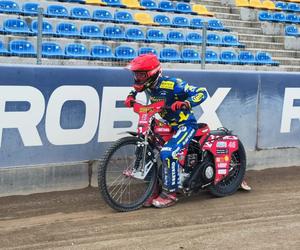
[222, 165]
[222, 171]
[221, 151]
[221, 144]
[232, 144]
[222, 159]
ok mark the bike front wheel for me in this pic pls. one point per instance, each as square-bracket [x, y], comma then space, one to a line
[123, 182]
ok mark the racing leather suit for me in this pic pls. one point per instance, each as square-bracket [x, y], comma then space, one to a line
[183, 123]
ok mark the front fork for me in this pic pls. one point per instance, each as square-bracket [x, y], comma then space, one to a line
[141, 169]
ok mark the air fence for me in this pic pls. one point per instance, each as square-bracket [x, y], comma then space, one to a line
[56, 121]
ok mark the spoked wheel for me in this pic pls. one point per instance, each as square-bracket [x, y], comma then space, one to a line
[123, 181]
[235, 177]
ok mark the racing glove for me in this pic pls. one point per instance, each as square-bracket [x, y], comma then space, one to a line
[130, 100]
[180, 105]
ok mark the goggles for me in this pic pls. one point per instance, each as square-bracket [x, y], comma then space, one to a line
[141, 76]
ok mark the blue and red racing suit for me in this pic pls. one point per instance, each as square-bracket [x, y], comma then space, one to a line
[183, 122]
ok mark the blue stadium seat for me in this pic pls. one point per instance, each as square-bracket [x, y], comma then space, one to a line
[175, 37]
[46, 28]
[292, 18]
[216, 24]
[74, 1]
[196, 23]
[228, 57]
[166, 6]
[231, 40]
[149, 4]
[155, 35]
[184, 8]
[3, 50]
[102, 15]
[57, 11]
[146, 50]
[291, 30]
[67, 29]
[281, 5]
[102, 52]
[246, 57]
[214, 39]
[135, 34]
[163, 20]
[265, 16]
[169, 55]
[113, 32]
[51, 49]
[278, 17]
[30, 9]
[190, 55]
[114, 3]
[124, 17]
[80, 13]
[76, 51]
[90, 31]
[265, 58]
[180, 21]
[293, 7]
[125, 52]
[211, 56]
[21, 48]
[9, 7]
[16, 26]
[194, 38]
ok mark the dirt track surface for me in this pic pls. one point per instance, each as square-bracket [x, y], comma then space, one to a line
[266, 218]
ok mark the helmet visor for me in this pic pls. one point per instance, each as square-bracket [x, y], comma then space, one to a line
[140, 76]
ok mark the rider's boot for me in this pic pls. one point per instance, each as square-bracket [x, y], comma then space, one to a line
[148, 202]
[165, 199]
[245, 186]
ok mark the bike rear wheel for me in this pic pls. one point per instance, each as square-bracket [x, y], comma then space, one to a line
[232, 182]
[119, 178]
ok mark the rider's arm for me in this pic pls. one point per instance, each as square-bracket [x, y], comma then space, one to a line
[194, 95]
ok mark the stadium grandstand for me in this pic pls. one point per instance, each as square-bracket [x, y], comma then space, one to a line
[232, 34]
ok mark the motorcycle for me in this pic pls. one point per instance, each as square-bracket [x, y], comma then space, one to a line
[131, 168]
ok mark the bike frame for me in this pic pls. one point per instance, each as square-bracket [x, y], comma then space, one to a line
[221, 144]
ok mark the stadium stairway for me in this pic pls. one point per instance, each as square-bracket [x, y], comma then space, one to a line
[250, 33]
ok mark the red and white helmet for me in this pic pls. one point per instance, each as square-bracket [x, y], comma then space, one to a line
[146, 69]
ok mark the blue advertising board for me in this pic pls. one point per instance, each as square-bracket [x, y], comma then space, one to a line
[64, 114]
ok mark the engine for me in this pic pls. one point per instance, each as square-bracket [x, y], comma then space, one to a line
[199, 166]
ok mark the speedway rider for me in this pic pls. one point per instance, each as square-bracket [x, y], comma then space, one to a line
[181, 97]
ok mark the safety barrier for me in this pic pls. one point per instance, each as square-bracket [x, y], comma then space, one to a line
[63, 114]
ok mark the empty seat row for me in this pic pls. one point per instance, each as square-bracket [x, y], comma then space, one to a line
[18, 26]
[278, 17]
[163, 5]
[119, 16]
[107, 16]
[292, 7]
[104, 52]
[179, 7]
[30, 8]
